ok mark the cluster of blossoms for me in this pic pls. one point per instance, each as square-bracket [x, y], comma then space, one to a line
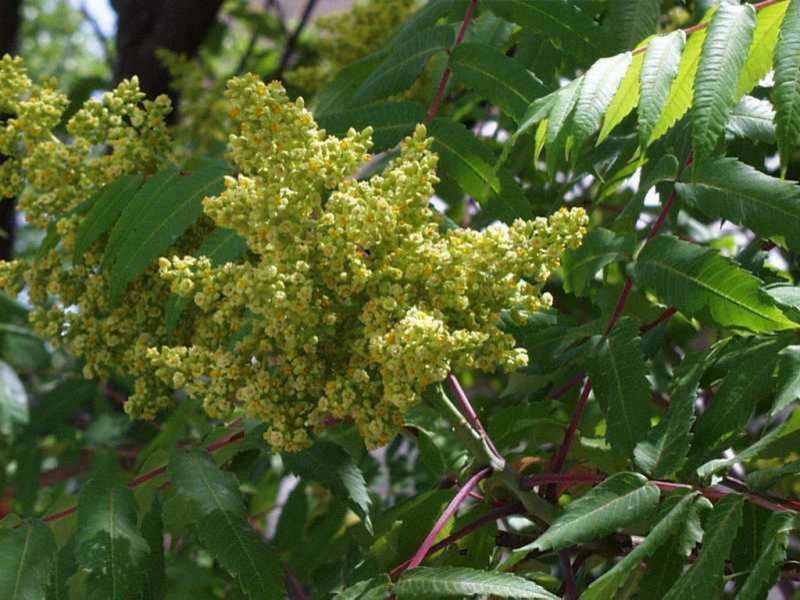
[353, 299]
[350, 301]
[121, 133]
[349, 36]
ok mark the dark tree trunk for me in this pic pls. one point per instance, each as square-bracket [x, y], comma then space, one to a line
[147, 25]
[9, 30]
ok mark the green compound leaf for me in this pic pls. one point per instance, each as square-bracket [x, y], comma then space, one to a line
[27, 558]
[497, 77]
[163, 209]
[680, 92]
[765, 38]
[617, 371]
[724, 53]
[333, 467]
[631, 21]
[731, 190]
[620, 501]
[107, 206]
[698, 280]
[561, 21]
[221, 246]
[109, 546]
[661, 62]
[664, 532]
[753, 119]
[705, 578]
[444, 582]
[664, 450]
[469, 162]
[786, 93]
[222, 525]
[772, 555]
[599, 248]
[390, 121]
[625, 100]
[404, 64]
[599, 86]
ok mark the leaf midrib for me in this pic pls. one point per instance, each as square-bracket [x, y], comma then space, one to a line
[179, 207]
[18, 579]
[712, 290]
[755, 199]
[620, 388]
[602, 507]
[492, 184]
[233, 529]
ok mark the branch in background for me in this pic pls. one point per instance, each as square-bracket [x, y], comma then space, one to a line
[288, 50]
[279, 12]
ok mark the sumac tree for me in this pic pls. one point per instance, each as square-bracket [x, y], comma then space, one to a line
[457, 298]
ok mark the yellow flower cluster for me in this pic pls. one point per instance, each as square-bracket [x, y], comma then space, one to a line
[346, 37]
[353, 299]
[350, 300]
[119, 134]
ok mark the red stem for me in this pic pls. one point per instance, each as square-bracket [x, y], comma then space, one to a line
[438, 99]
[570, 586]
[561, 456]
[152, 474]
[619, 309]
[564, 389]
[471, 414]
[451, 509]
[665, 316]
[490, 517]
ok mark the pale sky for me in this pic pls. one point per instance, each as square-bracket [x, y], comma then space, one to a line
[102, 12]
